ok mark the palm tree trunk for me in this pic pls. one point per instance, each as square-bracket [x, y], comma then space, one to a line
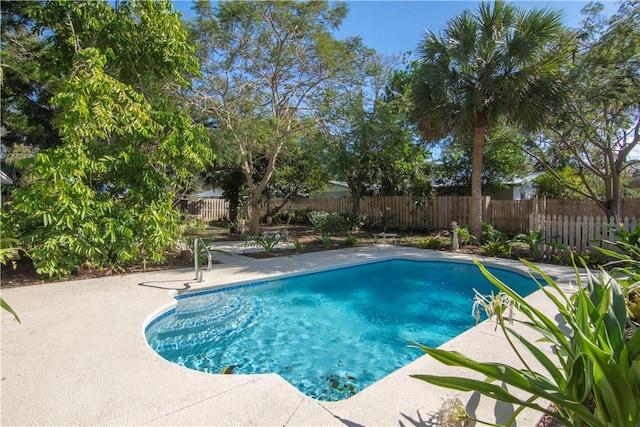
[476, 180]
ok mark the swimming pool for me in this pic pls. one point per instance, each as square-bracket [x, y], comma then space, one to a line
[331, 333]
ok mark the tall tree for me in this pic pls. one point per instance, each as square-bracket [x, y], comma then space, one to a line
[502, 161]
[369, 140]
[104, 195]
[489, 65]
[27, 83]
[599, 124]
[263, 64]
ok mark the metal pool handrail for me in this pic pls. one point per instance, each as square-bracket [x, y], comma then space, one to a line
[196, 258]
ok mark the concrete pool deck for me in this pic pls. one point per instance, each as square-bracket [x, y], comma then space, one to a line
[80, 357]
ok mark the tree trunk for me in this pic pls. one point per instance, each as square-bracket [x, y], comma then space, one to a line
[475, 211]
[254, 228]
[355, 203]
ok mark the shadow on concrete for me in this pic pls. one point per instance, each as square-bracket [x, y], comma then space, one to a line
[157, 284]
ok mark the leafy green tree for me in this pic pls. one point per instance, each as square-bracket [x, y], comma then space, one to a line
[501, 162]
[263, 66]
[103, 197]
[548, 184]
[598, 125]
[298, 172]
[27, 82]
[370, 142]
[487, 66]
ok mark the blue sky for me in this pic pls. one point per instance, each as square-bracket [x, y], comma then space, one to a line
[394, 27]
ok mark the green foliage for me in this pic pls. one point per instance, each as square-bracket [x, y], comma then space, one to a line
[10, 245]
[354, 221]
[430, 243]
[351, 241]
[298, 245]
[7, 307]
[628, 241]
[487, 67]
[267, 242]
[501, 162]
[596, 128]
[498, 247]
[300, 216]
[559, 187]
[533, 239]
[495, 242]
[104, 195]
[490, 233]
[265, 64]
[595, 362]
[464, 236]
[28, 82]
[191, 225]
[326, 241]
[9, 250]
[625, 267]
[369, 138]
[327, 223]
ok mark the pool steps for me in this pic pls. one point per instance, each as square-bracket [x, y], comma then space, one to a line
[223, 315]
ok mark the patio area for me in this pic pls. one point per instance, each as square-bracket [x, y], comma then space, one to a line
[80, 357]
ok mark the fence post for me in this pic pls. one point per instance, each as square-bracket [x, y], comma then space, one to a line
[486, 213]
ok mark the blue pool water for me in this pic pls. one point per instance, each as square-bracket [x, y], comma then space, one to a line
[330, 334]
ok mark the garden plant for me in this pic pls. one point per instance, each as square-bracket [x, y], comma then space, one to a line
[598, 361]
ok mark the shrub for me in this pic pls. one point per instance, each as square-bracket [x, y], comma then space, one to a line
[464, 236]
[533, 239]
[326, 241]
[192, 225]
[328, 223]
[354, 221]
[351, 241]
[268, 242]
[298, 245]
[498, 247]
[300, 216]
[430, 243]
[627, 241]
[597, 364]
[490, 233]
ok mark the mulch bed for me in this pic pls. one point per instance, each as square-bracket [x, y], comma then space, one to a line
[24, 274]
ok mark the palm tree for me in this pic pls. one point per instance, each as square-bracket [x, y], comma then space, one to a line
[494, 64]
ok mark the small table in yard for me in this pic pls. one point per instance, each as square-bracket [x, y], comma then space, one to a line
[385, 235]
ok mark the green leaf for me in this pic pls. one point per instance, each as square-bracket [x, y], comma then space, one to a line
[7, 307]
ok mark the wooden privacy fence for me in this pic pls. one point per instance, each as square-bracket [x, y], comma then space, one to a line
[579, 234]
[512, 216]
[509, 216]
[576, 225]
[393, 211]
[208, 209]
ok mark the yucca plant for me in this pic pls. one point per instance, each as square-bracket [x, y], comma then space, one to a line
[533, 239]
[595, 363]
